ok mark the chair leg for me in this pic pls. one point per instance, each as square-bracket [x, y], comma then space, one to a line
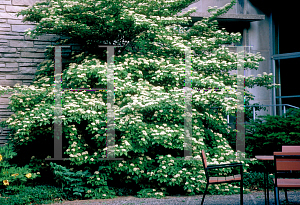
[204, 194]
[274, 196]
[286, 198]
[241, 193]
[277, 202]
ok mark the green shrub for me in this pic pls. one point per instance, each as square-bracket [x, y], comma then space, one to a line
[255, 180]
[82, 184]
[149, 77]
[13, 178]
[37, 195]
[268, 133]
[152, 193]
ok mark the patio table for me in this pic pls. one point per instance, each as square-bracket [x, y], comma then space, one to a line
[266, 159]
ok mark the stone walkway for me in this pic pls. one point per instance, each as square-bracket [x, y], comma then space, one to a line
[253, 198]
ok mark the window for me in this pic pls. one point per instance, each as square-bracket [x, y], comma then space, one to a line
[286, 57]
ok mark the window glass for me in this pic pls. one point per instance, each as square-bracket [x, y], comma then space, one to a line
[289, 80]
[287, 35]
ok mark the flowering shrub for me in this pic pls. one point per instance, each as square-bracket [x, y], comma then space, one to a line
[152, 193]
[149, 102]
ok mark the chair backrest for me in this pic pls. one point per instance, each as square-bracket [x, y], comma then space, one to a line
[205, 164]
[287, 162]
[289, 148]
[204, 159]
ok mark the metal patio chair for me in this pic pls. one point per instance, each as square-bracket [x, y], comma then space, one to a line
[219, 180]
[286, 163]
[289, 148]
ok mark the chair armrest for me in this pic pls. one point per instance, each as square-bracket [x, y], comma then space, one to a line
[224, 165]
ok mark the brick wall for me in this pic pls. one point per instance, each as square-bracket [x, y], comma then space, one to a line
[19, 55]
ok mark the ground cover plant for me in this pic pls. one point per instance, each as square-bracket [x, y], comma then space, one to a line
[149, 77]
[16, 181]
[41, 194]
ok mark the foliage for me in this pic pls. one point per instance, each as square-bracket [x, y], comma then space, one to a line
[78, 183]
[13, 178]
[151, 193]
[149, 106]
[255, 180]
[268, 133]
[37, 195]
[72, 183]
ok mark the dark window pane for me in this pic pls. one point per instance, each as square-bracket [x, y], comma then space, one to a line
[286, 25]
[289, 69]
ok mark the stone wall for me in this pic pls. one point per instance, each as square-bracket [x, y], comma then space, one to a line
[19, 54]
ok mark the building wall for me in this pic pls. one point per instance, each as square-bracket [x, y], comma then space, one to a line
[258, 35]
[19, 54]
[255, 33]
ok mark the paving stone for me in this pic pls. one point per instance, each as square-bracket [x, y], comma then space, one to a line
[5, 2]
[4, 101]
[27, 70]
[19, 77]
[43, 46]
[24, 2]
[3, 43]
[4, 29]
[38, 60]
[8, 70]
[9, 65]
[11, 55]
[12, 21]
[10, 16]
[10, 83]
[27, 64]
[9, 60]
[33, 55]
[26, 44]
[4, 25]
[45, 37]
[10, 33]
[7, 50]
[6, 95]
[2, 8]
[21, 28]
[15, 9]
[30, 50]
[11, 37]
[41, 43]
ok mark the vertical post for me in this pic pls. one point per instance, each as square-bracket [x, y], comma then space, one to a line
[188, 106]
[228, 126]
[110, 138]
[110, 141]
[253, 113]
[284, 111]
[58, 111]
[274, 90]
[240, 139]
